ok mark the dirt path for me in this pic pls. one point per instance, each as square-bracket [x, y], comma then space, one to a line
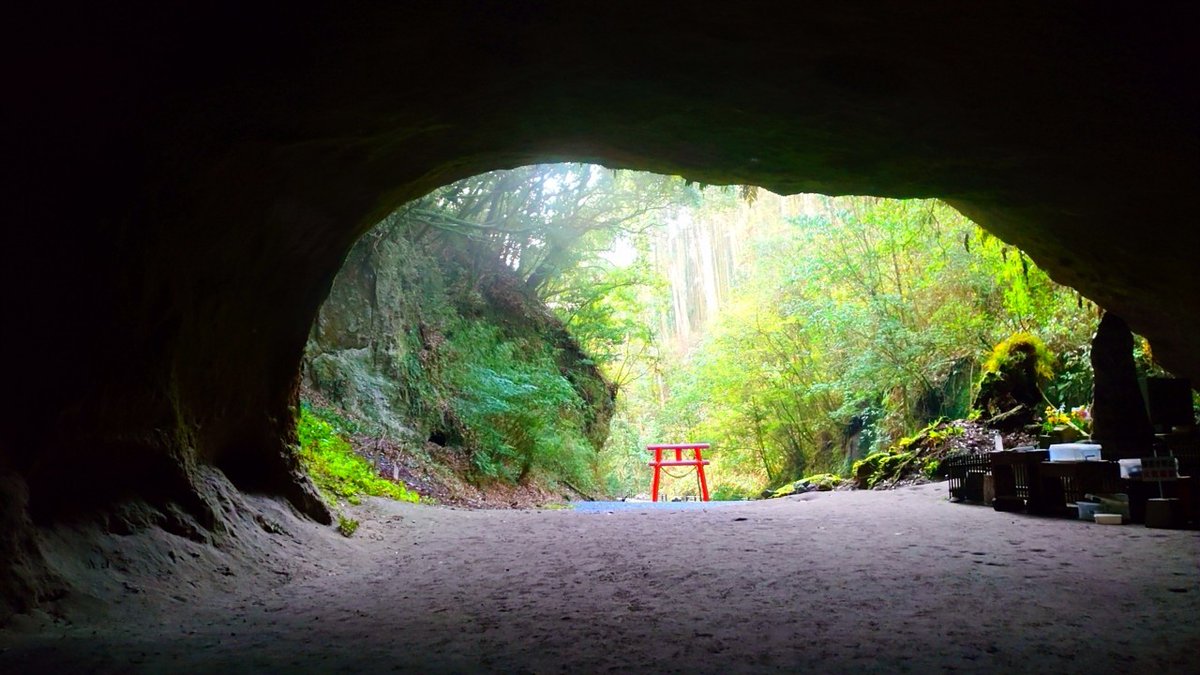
[897, 581]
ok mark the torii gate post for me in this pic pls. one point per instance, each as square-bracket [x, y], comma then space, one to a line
[697, 461]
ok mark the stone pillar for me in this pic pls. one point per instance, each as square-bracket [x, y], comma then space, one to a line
[1120, 422]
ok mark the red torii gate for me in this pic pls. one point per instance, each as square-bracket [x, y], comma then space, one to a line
[697, 462]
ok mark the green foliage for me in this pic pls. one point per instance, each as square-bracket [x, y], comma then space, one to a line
[1072, 382]
[547, 220]
[347, 526]
[433, 331]
[1021, 345]
[825, 336]
[932, 469]
[938, 435]
[1075, 421]
[728, 492]
[519, 412]
[337, 471]
[853, 324]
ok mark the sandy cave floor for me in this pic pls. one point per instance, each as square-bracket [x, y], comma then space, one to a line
[899, 581]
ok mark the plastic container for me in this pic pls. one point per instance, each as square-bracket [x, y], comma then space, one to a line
[1130, 468]
[1087, 510]
[1108, 518]
[1117, 503]
[1074, 452]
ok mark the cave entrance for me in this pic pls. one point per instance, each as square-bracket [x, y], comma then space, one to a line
[188, 184]
[530, 331]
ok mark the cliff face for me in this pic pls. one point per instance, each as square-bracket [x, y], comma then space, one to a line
[415, 328]
[186, 183]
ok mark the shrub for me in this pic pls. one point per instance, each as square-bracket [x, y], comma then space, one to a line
[347, 526]
[518, 410]
[933, 469]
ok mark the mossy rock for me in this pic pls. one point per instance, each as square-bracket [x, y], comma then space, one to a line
[789, 489]
[880, 466]
[822, 482]
[863, 469]
[1010, 392]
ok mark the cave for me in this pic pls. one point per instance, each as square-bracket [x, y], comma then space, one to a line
[187, 183]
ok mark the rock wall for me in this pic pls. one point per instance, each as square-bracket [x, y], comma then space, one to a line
[382, 347]
[1119, 419]
[185, 182]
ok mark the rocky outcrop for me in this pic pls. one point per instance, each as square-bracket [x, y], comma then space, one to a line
[382, 347]
[187, 182]
[1119, 419]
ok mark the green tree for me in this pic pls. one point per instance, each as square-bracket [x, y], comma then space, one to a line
[852, 324]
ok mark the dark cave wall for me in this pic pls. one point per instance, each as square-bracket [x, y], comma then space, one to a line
[190, 180]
